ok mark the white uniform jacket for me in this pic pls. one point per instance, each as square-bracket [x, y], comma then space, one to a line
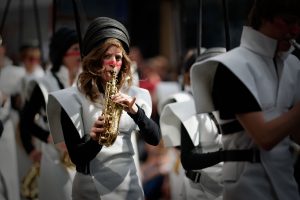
[113, 169]
[55, 180]
[253, 64]
[180, 109]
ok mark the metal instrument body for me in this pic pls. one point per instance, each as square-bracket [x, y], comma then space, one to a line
[112, 113]
[29, 186]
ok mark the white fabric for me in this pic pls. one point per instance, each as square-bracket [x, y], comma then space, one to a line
[176, 175]
[114, 168]
[10, 77]
[273, 177]
[63, 76]
[8, 164]
[73, 101]
[171, 98]
[84, 188]
[203, 132]
[23, 85]
[170, 122]
[24, 162]
[164, 90]
[54, 181]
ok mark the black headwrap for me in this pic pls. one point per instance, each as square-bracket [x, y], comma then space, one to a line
[60, 42]
[102, 28]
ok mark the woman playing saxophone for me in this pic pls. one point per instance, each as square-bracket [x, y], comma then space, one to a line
[98, 116]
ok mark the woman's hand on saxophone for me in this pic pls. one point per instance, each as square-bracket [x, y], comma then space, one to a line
[98, 128]
[126, 101]
[35, 155]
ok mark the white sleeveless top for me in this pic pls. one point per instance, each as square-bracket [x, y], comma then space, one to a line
[114, 171]
[275, 96]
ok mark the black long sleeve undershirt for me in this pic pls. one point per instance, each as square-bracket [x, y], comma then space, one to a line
[149, 129]
[191, 157]
[83, 150]
[28, 127]
[230, 96]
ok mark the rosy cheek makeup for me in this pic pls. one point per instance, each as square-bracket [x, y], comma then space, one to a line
[117, 64]
[72, 53]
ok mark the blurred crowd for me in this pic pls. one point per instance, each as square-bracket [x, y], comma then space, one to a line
[167, 171]
[16, 78]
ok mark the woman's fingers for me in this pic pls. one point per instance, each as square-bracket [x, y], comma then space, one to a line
[124, 100]
[98, 128]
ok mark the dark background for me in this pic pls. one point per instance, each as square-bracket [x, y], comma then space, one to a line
[142, 18]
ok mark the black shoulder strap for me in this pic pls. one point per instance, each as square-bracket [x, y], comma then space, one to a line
[212, 117]
[61, 86]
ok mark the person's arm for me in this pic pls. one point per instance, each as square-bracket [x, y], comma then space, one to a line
[81, 150]
[149, 130]
[27, 117]
[233, 99]
[267, 134]
[191, 157]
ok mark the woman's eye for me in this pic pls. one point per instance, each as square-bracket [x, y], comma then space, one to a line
[118, 58]
[106, 56]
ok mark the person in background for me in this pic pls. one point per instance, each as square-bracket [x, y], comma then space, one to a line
[137, 61]
[155, 172]
[30, 60]
[192, 137]
[203, 176]
[255, 89]
[104, 170]
[55, 174]
[9, 76]
[149, 79]
[30, 56]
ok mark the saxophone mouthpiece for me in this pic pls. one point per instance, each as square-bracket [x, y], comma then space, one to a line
[295, 44]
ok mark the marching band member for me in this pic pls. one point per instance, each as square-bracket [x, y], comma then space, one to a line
[195, 136]
[255, 89]
[9, 79]
[104, 162]
[55, 179]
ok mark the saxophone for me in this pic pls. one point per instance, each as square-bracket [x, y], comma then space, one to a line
[112, 113]
[29, 186]
[66, 160]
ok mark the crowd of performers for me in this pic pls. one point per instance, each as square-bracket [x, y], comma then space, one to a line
[227, 127]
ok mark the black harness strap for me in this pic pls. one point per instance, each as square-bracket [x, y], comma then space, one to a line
[248, 155]
[231, 127]
[61, 86]
[212, 117]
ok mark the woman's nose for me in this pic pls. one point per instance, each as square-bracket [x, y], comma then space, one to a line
[112, 62]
